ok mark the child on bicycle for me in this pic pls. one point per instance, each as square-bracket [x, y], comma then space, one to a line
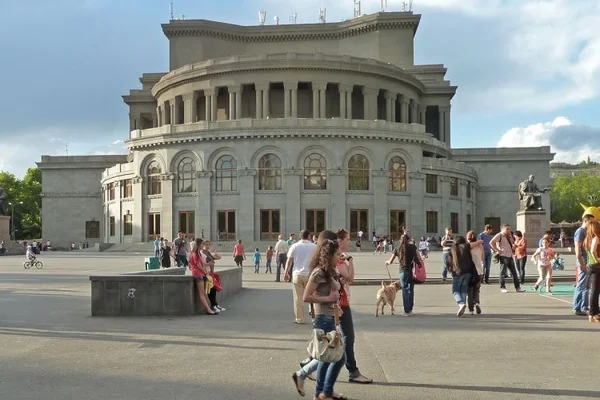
[29, 254]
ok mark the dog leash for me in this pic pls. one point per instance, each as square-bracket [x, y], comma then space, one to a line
[388, 271]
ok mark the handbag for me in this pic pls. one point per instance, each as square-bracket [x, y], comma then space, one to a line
[327, 347]
[419, 272]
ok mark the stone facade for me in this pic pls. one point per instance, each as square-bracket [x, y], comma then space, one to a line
[257, 131]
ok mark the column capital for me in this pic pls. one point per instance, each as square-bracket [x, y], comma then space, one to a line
[262, 86]
[444, 108]
[370, 91]
[210, 91]
[405, 99]
[390, 95]
[319, 85]
[422, 107]
[188, 96]
[346, 87]
[234, 88]
[290, 85]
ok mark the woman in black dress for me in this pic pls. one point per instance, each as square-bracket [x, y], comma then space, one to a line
[165, 254]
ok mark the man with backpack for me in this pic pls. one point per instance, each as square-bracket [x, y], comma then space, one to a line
[503, 245]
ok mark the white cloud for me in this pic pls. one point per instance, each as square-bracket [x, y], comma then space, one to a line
[572, 143]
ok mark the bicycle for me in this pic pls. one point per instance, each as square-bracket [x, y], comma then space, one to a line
[33, 263]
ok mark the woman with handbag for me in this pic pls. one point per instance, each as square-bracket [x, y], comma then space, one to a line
[323, 290]
[407, 254]
[592, 245]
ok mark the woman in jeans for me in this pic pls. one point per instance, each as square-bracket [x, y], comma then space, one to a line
[211, 257]
[406, 253]
[462, 270]
[592, 242]
[323, 290]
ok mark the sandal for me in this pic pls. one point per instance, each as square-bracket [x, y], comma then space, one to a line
[360, 379]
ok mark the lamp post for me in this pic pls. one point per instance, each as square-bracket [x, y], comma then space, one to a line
[12, 219]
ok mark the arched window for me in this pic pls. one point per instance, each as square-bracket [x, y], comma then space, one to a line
[226, 174]
[397, 174]
[269, 172]
[153, 174]
[186, 171]
[358, 173]
[315, 172]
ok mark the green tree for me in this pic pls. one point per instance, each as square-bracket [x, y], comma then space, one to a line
[567, 194]
[27, 216]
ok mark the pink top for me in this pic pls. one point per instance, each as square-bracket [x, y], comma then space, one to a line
[197, 265]
[545, 257]
[238, 250]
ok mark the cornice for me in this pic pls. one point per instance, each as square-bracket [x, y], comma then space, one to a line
[295, 62]
[286, 33]
[71, 194]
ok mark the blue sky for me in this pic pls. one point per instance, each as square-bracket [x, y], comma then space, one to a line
[528, 72]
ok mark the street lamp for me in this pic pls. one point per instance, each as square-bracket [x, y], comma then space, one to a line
[12, 219]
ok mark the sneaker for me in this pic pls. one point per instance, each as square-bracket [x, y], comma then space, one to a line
[520, 290]
[216, 309]
[477, 309]
[461, 310]
[407, 314]
[577, 312]
[299, 382]
[503, 290]
[221, 308]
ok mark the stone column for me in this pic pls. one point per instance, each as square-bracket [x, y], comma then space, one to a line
[338, 183]
[349, 103]
[464, 206]
[266, 108]
[203, 217]
[168, 221]
[315, 100]
[413, 113]
[442, 124]
[344, 89]
[290, 99]
[370, 103]
[189, 108]
[158, 116]
[322, 86]
[165, 113]
[390, 109]
[238, 101]
[446, 124]
[379, 186]
[404, 103]
[207, 108]
[213, 105]
[259, 108]
[444, 192]
[136, 208]
[422, 114]
[231, 104]
[173, 104]
[292, 220]
[246, 211]
[416, 216]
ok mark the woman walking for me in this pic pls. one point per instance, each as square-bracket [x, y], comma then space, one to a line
[407, 254]
[477, 255]
[462, 267]
[592, 245]
[323, 290]
[520, 255]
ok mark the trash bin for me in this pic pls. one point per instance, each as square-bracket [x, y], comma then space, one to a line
[152, 263]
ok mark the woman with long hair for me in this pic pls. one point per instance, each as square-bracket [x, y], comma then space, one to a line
[478, 257]
[462, 268]
[407, 253]
[592, 245]
[200, 270]
[323, 290]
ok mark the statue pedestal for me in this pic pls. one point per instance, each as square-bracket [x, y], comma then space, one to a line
[533, 225]
[11, 248]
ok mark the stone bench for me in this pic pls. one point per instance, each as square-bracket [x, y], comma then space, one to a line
[155, 292]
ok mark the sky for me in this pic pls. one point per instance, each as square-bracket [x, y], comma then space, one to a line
[528, 72]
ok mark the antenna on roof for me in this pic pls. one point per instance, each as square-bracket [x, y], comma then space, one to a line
[322, 15]
[356, 8]
[276, 19]
[293, 17]
[383, 5]
[262, 17]
[171, 17]
[67, 149]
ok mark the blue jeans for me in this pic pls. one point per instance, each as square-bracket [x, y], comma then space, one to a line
[487, 263]
[582, 291]
[445, 255]
[460, 287]
[407, 283]
[327, 373]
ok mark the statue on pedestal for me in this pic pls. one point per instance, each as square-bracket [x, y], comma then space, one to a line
[530, 195]
[3, 202]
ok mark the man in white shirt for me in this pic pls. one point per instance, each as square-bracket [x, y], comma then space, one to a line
[281, 249]
[298, 260]
[503, 244]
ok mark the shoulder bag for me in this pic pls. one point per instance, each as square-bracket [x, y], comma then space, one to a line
[327, 347]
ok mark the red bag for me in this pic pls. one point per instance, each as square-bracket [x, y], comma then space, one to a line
[216, 281]
[419, 272]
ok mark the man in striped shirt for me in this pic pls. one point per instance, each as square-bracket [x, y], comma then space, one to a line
[447, 243]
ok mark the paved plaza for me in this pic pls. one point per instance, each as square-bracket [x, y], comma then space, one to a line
[523, 346]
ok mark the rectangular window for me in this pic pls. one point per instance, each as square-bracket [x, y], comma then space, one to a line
[92, 229]
[454, 222]
[315, 221]
[432, 222]
[468, 190]
[111, 191]
[154, 185]
[153, 225]
[453, 186]
[187, 222]
[270, 224]
[127, 225]
[469, 222]
[127, 186]
[112, 226]
[397, 223]
[226, 224]
[359, 221]
[431, 183]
